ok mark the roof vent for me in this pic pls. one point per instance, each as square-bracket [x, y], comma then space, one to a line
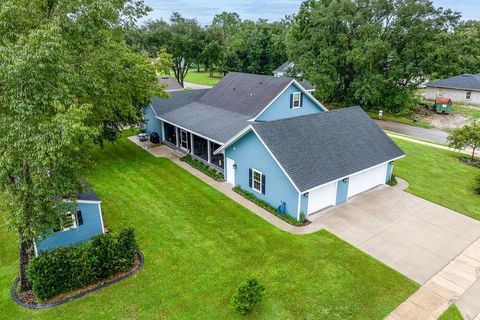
[251, 94]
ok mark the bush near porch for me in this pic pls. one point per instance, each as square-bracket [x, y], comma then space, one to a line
[198, 243]
[205, 168]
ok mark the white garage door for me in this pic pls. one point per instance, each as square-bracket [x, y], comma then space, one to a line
[322, 197]
[367, 180]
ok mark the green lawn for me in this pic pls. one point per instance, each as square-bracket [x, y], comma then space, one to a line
[399, 119]
[202, 77]
[451, 314]
[473, 112]
[437, 175]
[199, 246]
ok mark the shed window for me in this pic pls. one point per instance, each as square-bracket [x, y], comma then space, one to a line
[296, 100]
[71, 223]
[468, 95]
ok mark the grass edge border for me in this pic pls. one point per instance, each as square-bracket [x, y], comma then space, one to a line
[102, 285]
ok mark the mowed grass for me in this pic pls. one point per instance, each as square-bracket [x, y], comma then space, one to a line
[199, 246]
[202, 77]
[438, 176]
[451, 314]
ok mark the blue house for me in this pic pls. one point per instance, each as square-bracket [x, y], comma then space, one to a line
[271, 137]
[87, 222]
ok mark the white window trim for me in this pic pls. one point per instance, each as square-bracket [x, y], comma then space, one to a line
[74, 225]
[470, 96]
[299, 95]
[260, 182]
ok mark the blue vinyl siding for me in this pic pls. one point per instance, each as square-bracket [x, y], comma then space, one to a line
[389, 171]
[342, 191]
[153, 124]
[92, 225]
[249, 153]
[280, 108]
[304, 205]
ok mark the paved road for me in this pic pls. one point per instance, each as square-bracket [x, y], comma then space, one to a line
[435, 135]
[195, 86]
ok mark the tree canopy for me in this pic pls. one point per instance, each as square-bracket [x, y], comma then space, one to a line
[67, 80]
[375, 52]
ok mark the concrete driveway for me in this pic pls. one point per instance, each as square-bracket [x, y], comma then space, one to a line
[409, 234]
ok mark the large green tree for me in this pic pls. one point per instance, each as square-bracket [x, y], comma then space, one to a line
[182, 38]
[67, 80]
[368, 52]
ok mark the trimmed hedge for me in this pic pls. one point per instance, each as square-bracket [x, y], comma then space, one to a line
[71, 268]
[205, 168]
[250, 196]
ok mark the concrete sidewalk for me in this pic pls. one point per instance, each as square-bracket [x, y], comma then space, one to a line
[445, 288]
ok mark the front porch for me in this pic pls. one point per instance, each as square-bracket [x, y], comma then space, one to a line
[197, 146]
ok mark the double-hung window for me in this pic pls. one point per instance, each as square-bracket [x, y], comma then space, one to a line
[296, 100]
[257, 181]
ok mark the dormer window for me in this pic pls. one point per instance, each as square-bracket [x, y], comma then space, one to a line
[296, 100]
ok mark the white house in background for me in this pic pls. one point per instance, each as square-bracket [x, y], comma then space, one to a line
[282, 72]
[464, 89]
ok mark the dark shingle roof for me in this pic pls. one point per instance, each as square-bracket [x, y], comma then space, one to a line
[463, 81]
[177, 99]
[244, 93]
[319, 148]
[283, 67]
[208, 121]
[88, 195]
[170, 83]
[307, 85]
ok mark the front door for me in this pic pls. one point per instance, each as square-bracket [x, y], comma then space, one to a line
[342, 191]
[231, 171]
[184, 140]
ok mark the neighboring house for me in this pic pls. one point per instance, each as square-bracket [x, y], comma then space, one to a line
[87, 222]
[169, 83]
[464, 89]
[282, 72]
[271, 137]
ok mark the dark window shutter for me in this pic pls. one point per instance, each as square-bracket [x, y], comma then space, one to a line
[263, 183]
[291, 100]
[250, 177]
[301, 99]
[79, 218]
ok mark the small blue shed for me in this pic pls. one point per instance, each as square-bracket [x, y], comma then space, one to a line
[87, 222]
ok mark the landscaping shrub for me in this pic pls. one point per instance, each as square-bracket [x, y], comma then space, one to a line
[393, 181]
[247, 296]
[71, 268]
[476, 185]
[205, 168]
[250, 196]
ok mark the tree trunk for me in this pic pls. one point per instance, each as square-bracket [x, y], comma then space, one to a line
[26, 254]
[473, 153]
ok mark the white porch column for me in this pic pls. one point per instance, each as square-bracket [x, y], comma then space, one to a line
[163, 132]
[191, 143]
[177, 132]
[208, 151]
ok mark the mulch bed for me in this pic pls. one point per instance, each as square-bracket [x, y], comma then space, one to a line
[475, 162]
[28, 300]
